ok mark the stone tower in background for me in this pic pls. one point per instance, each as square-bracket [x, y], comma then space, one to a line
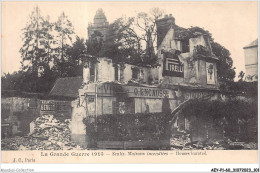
[100, 25]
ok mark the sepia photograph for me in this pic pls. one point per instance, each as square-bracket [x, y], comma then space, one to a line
[129, 76]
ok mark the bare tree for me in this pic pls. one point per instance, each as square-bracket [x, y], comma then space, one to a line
[126, 38]
[146, 23]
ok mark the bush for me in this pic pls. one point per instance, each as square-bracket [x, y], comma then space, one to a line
[128, 127]
[236, 117]
[249, 88]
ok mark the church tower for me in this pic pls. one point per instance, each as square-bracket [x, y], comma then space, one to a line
[100, 25]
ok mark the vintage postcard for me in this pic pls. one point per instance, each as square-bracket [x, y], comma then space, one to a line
[129, 82]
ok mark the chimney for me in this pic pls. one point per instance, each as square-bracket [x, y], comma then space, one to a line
[163, 25]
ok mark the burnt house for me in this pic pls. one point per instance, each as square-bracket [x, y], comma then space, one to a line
[186, 70]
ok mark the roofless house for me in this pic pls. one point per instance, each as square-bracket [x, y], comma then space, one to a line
[187, 69]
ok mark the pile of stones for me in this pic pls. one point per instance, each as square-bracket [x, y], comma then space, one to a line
[47, 133]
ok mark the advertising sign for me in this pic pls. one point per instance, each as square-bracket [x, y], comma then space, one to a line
[107, 89]
[172, 65]
[148, 92]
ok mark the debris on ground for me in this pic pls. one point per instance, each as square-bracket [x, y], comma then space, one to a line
[48, 134]
[182, 141]
[179, 141]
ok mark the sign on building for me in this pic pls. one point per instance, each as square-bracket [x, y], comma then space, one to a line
[210, 73]
[172, 65]
[147, 92]
[108, 90]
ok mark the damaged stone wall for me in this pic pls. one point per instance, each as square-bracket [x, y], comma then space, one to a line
[18, 112]
[199, 40]
[47, 133]
[195, 71]
[78, 129]
[105, 71]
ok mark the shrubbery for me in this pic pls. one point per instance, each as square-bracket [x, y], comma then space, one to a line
[128, 127]
[233, 119]
[237, 118]
[249, 88]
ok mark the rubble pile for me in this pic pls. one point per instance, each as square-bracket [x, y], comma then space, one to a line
[182, 141]
[48, 133]
[47, 127]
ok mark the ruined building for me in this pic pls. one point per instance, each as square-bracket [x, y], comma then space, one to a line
[184, 62]
[251, 61]
[187, 69]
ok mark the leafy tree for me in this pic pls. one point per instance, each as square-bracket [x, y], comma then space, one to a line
[33, 50]
[95, 44]
[76, 54]
[36, 50]
[27, 81]
[46, 48]
[226, 71]
[121, 43]
[49, 39]
[63, 39]
[11, 81]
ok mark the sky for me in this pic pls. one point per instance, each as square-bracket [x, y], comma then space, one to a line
[232, 24]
